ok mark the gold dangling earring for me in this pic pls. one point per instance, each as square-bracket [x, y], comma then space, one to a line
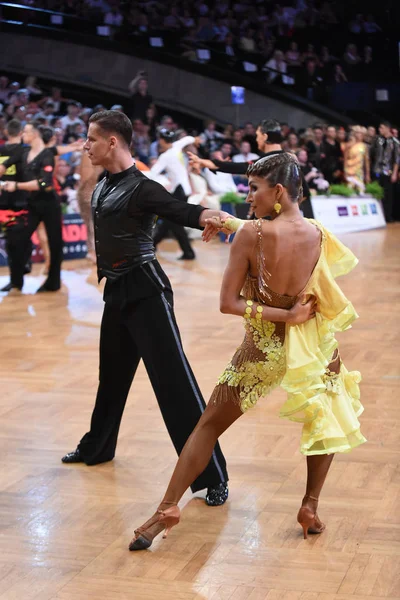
[277, 208]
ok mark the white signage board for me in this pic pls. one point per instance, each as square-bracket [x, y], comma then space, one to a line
[345, 215]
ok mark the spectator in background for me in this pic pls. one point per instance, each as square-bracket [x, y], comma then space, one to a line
[276, 68]
[310, 81]
[210, 138]
[48, 112]
[356, 26]
[291, 144]
[140, 99]
[293, 58]
[310, 54]
[4, 88]
[205, 32]
[247, 41]
[187, 20]
[229, 47]
[172, 20]
[71, 118]
[32, 87]
[315, 147]
[370, 26]
[369, 137]
[114, 17]
[338, 74]
[245, 154]
[332, 164]
[385, 165]
[141, 140]
[351, 58]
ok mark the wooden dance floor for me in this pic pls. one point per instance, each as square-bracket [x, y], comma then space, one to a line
[65, 530]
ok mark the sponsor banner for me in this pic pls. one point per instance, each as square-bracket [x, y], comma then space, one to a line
[345, 215]
[74, 237]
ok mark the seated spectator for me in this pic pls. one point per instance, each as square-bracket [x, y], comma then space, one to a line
[172, 20]
[276, 69]
[247, 41]
[357, 24]
[245, 154]
[310, 81]
[229, 46]
[48, 112]
[205, 31]
[4, 88]
[351, 56]
[114, 18]
[32, 87]
[71, 118]
[370, 26]
[310, 55]
[221, 30]
[189, 44]
[338, 74]
[292, 56]
[187, 21]
[313, 177]
[210, 138]
[141, 140]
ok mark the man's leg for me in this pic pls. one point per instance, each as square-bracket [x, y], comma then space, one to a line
[119, 359]
[156, 334]
[388, 198]
[19, 247]
[52, 218]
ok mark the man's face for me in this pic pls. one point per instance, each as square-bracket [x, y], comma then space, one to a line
[72, 111]
[261, 139]
[245, 147]
[28, 134]
[98, 145]
[3, 82]
[226, 150]
[318, 133]
[331, 133]
[384, 130]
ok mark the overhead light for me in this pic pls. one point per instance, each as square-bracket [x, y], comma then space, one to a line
[104, 30]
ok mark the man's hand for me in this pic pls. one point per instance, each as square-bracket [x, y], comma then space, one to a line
[216, 224]
[200, 163]
[302, 311]
[2, 170]
[9, 186]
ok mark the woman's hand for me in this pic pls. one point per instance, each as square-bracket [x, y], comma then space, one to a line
[302, 311]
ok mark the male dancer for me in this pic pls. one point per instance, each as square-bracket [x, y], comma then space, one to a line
[172, 162]
[269, 138]
[138, 319]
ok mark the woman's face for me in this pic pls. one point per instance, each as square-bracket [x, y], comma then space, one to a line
[359, 136]
[262, 196]
[28, 135]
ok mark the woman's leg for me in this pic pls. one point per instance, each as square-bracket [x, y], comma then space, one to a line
[44, 245]
[197, 451]
[317, 470]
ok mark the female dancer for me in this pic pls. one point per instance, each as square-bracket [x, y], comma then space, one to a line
[274, 263]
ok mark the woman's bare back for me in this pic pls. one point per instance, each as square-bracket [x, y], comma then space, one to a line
[291, 250]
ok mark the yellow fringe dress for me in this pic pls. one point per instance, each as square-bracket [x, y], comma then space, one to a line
[296, 357]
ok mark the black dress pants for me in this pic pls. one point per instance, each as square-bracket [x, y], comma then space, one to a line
[387, 203]
[162, 229]
[18, 248]
[146, 328]
[43, 207]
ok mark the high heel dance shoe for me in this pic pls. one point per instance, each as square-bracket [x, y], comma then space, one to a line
[163, 520]
[309, 519]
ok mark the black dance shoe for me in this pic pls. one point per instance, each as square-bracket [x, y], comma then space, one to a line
[47, 288]
[73, 457]
[217, 495]
[9, 287]
[187, 257]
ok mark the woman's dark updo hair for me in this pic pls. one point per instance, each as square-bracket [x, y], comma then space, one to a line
[46, 132]
[280, 168]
